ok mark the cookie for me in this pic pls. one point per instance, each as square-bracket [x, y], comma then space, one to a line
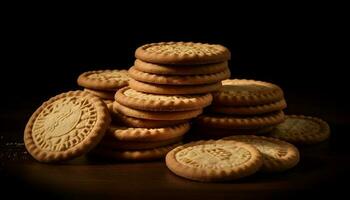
[241, 92]
[146, 123]
[134, 155]
[173, 89]
[182, 53]
[240, 122]
[66, 126]
[109, 104]
[138, 145]
[210, 132]
[146, 134]
[278, 155]
[249, 110]
[180, 69]
[104, 79]
[155, 115]
[179, 79]
[299, 129]
[106, 95]
[214, 160]
[155, 102]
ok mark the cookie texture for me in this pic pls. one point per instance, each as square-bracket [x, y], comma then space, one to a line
[300, 129]
[155, 102]
[214, 160]
[182, 53]
[278, 155]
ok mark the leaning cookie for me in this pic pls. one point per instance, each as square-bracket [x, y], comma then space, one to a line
[66, 126]
[214, 160]
[278, 155]
[109, 80]
[299, 129]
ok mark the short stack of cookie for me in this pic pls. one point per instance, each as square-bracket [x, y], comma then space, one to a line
[170, 84]
[104, 83]
[243, 107]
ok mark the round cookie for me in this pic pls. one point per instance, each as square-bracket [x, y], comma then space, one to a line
[66, 126]
[155, 102]
[180, 69]
[106, 95]
[214, 160]
[137, 145]
[299, 129]
[146, 123]
[241, 92]
[173, 89]
[104, 79]
[182, 53]
[146, 134]
[278, 155]
[179, 79]
[155, 115]
[240, 122]
[134, 155]
[250, 110]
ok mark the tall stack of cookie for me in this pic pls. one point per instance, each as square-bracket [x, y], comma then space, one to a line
[170, 84]
[104, 83]
[243, 107]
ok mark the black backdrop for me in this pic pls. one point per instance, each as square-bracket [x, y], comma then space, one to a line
[45, 50]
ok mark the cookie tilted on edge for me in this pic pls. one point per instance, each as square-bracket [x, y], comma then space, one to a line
[66, 126]
[214, 160]
[278, 155]
[299, 129]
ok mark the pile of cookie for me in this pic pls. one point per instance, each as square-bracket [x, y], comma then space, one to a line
[164, 94]
[144, 114]
[243, 107]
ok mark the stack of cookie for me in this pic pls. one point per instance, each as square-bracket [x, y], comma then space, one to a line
[104, 83]
[243, 107]
[170, 84]
[179, 68]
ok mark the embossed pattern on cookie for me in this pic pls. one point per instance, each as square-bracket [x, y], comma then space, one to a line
[299, 129]
[278, 155]
[182, 53]
[104, 79]
[214, 160]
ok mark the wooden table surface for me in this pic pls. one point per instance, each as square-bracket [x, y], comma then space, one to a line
[322, 167]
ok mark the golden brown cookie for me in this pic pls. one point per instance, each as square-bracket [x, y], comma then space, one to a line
[180, 69]
[241, 92]
[104, 79]
[106, 95]
[66, 126]
[146, 123]
[179, 79]
[240, 122]
[116, 132]
[134, 155]
[137, 145]
[155, 115]
[109, 104]
[278, 155]
[173, 89]
[182, 53]
[249, 110]
[299, 129]
[214, 160]
[214, 133]
[156, 102]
